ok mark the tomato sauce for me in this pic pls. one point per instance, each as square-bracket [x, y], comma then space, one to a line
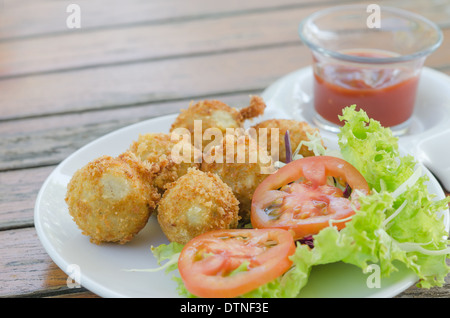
[386, 94]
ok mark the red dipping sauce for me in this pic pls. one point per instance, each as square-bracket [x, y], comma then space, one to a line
[386, 94]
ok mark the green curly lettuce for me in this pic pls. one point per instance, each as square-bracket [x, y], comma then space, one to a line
[412, 221]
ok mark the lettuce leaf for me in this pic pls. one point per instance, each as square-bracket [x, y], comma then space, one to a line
[373, 150]
[167, 252]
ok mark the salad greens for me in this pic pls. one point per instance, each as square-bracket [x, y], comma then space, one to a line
[398, 222]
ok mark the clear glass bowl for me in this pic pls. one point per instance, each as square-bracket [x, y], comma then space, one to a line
[367, 55]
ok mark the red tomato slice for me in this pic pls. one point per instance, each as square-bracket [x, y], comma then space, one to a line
[207, 262]
[297, 196]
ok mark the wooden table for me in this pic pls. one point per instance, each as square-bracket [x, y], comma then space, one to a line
[61, 88]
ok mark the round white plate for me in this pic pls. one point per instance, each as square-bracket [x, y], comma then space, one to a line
[101, 268]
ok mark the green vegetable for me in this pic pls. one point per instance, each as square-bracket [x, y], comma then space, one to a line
[373, 150]
[399, 222]
[168, 252]
[409, 227]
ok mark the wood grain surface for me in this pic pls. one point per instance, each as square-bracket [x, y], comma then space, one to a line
[130, 61]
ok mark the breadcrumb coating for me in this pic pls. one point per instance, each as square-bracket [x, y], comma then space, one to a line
[196, 203]
[255, 109]
[111, 199]
[161, 149]
[242, 164]
[297, 131]
[218, 115]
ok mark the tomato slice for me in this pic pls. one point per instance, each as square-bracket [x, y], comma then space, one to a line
[208, 263]
[298, 196]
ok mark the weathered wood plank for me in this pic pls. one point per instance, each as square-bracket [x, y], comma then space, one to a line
[25, 267]
[77, 294]
[31, 18]
[162, 41]
[18, 191]
[116, 86]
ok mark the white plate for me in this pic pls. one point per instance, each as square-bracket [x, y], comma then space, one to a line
[101, 267]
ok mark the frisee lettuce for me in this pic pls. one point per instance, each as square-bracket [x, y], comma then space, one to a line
[374, 151]
[399, 221]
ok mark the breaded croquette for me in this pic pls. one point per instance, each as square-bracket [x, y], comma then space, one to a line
[194, 204]
[297, 132]
[242, 164]
[111, 199]
[218, 115]
[160, 149]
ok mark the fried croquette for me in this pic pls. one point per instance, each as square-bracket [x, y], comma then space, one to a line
[111, 199]
[297, 132]
[242, 164]
[194, 204]
[173, 159]
[217, 115]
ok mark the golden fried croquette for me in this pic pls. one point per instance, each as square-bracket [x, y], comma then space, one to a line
[111, 199]
[218, 115]
[297, 132]
[194, 204]
[161, 149]
[242, 164]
